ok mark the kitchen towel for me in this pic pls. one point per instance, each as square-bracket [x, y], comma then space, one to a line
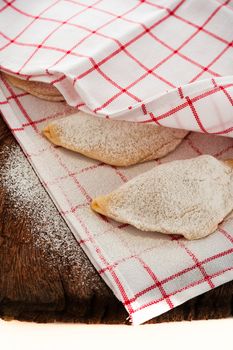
[167, 62]
[162, 61]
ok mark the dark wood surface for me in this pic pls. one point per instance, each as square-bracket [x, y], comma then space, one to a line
[32, 289]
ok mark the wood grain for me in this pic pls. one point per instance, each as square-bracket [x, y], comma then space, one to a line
[32, 289]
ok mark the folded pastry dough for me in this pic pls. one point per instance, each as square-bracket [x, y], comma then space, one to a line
[188, 197]
[39, 89]
[113, 142]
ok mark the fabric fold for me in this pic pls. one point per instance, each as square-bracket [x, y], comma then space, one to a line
[125, 61]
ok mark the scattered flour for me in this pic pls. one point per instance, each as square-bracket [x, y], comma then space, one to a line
[47, 228]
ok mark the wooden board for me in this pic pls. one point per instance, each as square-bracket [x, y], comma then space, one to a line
[32, 289]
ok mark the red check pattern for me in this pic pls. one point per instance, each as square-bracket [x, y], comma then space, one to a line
[167, 62]
[151, 61]
[150, 273]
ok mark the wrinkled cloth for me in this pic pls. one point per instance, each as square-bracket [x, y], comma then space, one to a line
[162, 61]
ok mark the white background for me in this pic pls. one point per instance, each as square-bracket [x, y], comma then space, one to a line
[211, 334]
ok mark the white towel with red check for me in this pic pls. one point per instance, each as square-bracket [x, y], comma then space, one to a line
[167, 62]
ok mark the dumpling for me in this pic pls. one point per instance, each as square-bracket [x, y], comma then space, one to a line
[188, 197]
[36, 88]
[114, 142]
